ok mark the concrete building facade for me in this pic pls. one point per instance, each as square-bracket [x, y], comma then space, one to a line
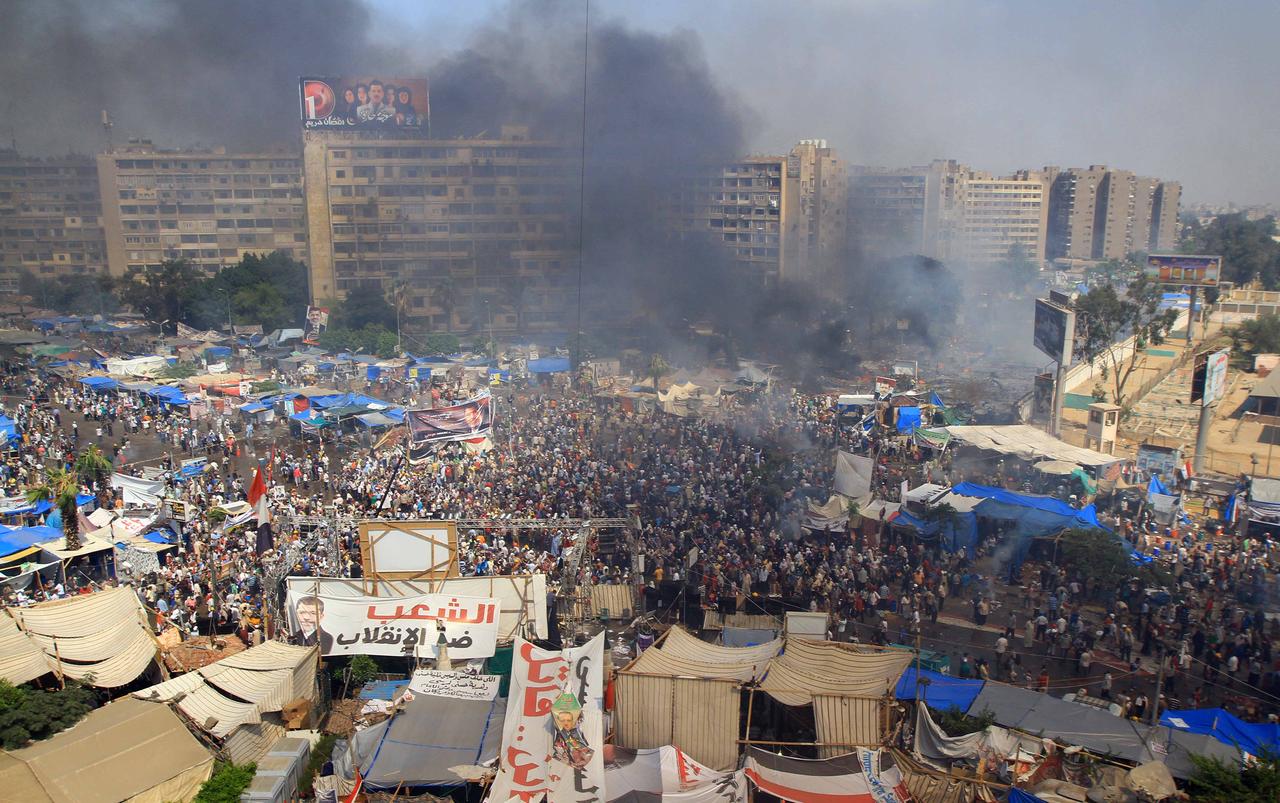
[50, 218]
[1098, 214]
[998, 218]
[209, 207]
[897, 211]
[467, 233]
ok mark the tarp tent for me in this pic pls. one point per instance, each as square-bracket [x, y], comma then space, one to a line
[853, 475]
[430, 735]
[126, 750]
[1225, 727]
[1028, 443]
[806, 669]
[942, 692]
[548, 365]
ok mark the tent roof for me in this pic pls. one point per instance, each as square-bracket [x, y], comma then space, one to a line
[1267, 388]
[807, 668]
[942, 691]
[117, 752]
[428, 737]
[238, 689]
[685, 655]
[1028, 443]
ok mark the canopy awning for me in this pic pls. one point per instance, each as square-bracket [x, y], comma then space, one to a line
[1028, 443]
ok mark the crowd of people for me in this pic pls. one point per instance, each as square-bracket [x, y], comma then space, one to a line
[730, 489]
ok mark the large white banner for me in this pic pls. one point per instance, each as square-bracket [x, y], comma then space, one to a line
[407, 626]
[553, 737]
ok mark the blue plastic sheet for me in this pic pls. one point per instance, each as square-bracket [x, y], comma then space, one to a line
[942, 692]
[1250, 737]
[961, 532]
[908, 419]
[548, 365]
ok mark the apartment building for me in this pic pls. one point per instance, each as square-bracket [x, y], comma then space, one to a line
[471, 233]
[207, 206]
[1098, 213]
[998, 218]
[948, 211]
[49, 218]
[777, 217]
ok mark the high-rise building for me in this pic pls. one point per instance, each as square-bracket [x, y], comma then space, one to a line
[998, 218]
[777, 217]
[471, 233]
[948, 211]
[898, 211]
[209, 207]
[49, 218]
[1099, 214]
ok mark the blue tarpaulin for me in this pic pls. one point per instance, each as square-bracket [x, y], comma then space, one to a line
[44, 506]
[908, 419]
[217, 352]
[8, 429]
[23, 537]
[548, 365]
[372, 372]
[1250, 737]
[1033, 516]
[1156, 487]
[942, 692]
[168, 394]
[100, 383]
[1016, 795]
[961, 532]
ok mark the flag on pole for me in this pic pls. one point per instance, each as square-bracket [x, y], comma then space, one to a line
[262, 511]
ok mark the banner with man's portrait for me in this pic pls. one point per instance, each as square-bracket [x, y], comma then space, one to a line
[556, 709]
[395, 625]
[470, 420]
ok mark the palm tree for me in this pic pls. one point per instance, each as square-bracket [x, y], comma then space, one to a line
[658, 367]
[61, 488]
[92, 466]
[445, 297]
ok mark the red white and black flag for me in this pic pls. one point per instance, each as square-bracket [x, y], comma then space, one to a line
[262, 511]
[863, 776]
[470, 421]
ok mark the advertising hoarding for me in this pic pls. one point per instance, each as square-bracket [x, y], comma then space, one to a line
[1209, 377]
[1187, 270]
[364, 102]
[1054, 330]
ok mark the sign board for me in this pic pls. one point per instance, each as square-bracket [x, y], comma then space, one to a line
[1054, 330]
[316, 324]
[370, 103]
[394, 625]
[1162, 460]
[409, 550]
[885, 385]
[1209, 377]
[179, 510]
[456, 685]
[1186, 270]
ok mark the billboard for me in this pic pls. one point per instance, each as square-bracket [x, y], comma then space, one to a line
[317, 323]
[364, 102]
[1054, 330]
[469, 421]
[1185, 270]
[395, 625]
[1209, 377]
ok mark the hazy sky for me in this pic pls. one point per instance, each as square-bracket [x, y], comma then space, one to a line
[1169, 88]
[1182, 90]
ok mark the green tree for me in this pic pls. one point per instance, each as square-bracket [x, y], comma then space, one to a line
[1218, 781]
[1104, 317]
[61, 489]
[444, 295]
[158, 293]
[441, 344]
[656, 369]
[1099, 557]
[1259, 335]
[227, 783]
[955, 722]
[364, 306]
[266, 289]
[28, 715]
[92, 466]
[1246, 246]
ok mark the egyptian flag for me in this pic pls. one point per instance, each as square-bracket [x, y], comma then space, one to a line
[863, 776]
[262, 511]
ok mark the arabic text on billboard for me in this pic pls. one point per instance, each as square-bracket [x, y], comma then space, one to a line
[1053, 325]
[1200, 271]
[366, 102]
[395, 625]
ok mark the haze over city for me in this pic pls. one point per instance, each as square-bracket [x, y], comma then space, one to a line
[1174, 89]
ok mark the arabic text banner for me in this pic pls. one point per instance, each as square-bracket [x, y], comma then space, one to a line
[553, 737]
[395, 625]
[467, 421]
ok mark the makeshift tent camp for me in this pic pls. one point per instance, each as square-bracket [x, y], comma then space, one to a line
[941, 691]
[102, 639]
[864, 775]
[239, 689]
[809, 668]
[127, 750]
[853, 475]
